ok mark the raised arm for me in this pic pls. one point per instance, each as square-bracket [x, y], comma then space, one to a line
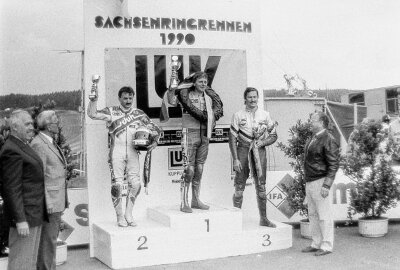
[94, 114]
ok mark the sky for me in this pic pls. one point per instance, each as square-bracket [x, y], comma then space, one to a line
[352, 44]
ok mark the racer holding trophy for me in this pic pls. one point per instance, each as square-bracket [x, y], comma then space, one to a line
[201, 107]
[129, 129]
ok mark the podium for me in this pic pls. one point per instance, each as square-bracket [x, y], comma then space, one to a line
[168, 236]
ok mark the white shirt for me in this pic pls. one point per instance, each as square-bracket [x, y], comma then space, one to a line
[47, 137]
[245, 120]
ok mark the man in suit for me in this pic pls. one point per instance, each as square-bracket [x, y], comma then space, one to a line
[54, 164]
[321, 162]
[22, 176]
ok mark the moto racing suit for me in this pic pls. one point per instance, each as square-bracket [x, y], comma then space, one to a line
[123, 157]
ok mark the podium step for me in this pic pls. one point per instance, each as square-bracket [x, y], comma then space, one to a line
[216, 219]
[154, 242]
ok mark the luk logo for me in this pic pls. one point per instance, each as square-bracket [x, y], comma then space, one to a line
[175, 159]
[160, 79]
[219, 131]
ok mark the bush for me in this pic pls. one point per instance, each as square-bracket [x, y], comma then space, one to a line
[368, 163]
[294, 149]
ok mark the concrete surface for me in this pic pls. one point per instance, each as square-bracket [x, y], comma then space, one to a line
[351, 251]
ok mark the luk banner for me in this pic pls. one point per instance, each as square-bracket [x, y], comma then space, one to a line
[148, 71]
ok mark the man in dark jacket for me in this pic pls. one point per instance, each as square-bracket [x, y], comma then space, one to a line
[321, 163]
[21, 173]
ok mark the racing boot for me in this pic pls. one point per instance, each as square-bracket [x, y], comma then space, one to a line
[133, 193]
[118, 210]
[237, 199]
[116, 197]
[184, 198]
[196, 203]
[262, 208]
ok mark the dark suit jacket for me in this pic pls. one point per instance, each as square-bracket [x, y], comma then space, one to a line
[22, 176]
[54, 172]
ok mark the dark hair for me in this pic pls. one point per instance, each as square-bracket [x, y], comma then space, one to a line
[126, 89]
[248, 90]
[323, 117]
[199, 74]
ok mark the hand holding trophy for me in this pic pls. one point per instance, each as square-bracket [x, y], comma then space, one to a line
[93, 91]
[175, 66]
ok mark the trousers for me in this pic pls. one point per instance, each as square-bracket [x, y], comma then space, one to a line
[320, 215]
[23, 250]
[48, 243]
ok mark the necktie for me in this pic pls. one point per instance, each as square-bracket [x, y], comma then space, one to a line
[58, 148]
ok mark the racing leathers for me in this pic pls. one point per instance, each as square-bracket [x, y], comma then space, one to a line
[200, 110]
[123, 157]
[242, 137]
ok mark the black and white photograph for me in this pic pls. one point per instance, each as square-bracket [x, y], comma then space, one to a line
[186, 134]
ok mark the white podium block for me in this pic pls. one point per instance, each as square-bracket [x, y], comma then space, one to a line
[216, 219]
[153, 242]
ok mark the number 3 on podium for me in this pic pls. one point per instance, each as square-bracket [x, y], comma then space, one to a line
[266, 240]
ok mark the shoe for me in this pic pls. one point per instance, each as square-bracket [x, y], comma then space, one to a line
[310, 249]
[322, 252]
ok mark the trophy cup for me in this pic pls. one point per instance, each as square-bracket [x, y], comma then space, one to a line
[93, 91]
[175, 66]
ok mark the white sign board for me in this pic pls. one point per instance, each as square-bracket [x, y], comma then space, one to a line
[130, 43]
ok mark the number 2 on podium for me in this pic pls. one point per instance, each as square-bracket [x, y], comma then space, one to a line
[144, 240]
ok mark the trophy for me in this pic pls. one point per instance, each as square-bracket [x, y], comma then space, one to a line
[93, 91]
[175, 66]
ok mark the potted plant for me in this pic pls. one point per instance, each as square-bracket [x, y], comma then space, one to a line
[296, 191]
[368, 163]
[3, 237]
[61, 251]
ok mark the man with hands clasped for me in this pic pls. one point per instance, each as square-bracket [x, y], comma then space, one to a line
[54, 164]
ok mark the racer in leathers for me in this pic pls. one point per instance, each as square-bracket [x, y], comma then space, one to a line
[122, 122]
[248, 150]
[201, 107]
